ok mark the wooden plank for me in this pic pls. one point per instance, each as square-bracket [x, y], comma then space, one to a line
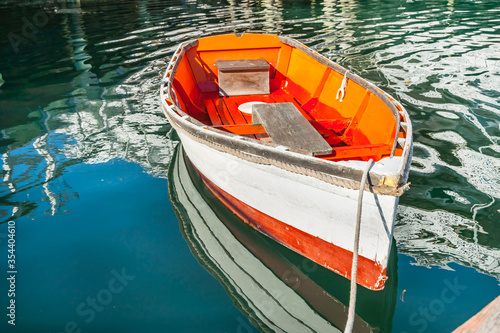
[280, 98]
[286, 125]
[233, 102]
[359, 151]
[232, 108]
[238, 100]
[485, 321]
[223, 111]
[212, 113]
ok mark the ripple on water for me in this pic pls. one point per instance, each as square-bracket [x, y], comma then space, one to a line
[96, 98]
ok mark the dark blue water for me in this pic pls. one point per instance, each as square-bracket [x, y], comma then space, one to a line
[85, 153]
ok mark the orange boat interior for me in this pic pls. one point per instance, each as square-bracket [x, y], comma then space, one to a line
[360, 127]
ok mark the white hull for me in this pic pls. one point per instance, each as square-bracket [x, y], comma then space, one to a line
[315, 207]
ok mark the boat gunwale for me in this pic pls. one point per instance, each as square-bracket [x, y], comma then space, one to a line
[336, 173]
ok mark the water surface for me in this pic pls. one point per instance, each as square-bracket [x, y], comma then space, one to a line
[85, 152]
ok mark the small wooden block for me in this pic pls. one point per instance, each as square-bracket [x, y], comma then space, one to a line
[243, 77]
[286, 125]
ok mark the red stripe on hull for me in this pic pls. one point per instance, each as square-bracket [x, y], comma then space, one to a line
[370, 274]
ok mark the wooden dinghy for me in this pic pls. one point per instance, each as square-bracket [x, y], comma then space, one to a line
[281, 135]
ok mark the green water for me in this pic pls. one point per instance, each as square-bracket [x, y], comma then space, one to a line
[85, 152]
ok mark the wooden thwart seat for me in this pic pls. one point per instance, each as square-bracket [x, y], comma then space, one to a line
[286, 126]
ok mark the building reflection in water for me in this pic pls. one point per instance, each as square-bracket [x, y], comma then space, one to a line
[95, 123]
[272, 15]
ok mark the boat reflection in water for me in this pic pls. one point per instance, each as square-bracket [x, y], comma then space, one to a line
[276, 288]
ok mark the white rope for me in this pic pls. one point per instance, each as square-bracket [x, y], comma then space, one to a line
[354, 269]
[343, 86]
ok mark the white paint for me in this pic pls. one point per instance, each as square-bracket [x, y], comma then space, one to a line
[247, 107]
